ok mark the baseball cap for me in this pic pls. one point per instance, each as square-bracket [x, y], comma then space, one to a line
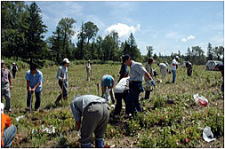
[66, 60]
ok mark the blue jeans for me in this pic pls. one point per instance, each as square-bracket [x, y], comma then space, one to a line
[174, 76]
[9, 134]
[132, 100]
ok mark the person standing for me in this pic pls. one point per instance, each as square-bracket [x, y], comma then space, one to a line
[107, 83]
[189, 68]
[34, 79]
[14, 69]
[124, 71]
[8, 131]
[88, 70]
[94, 112]
[62, 76]
[174, 68]
[137, 73]
[163, 69]
[149, 69]
[6, 85]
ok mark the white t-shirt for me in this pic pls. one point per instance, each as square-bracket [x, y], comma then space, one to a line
[174, 63]
[163, 66]
[122, 85]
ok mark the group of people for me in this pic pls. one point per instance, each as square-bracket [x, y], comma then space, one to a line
[92, 112]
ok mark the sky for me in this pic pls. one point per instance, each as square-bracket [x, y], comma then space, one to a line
[167, 26]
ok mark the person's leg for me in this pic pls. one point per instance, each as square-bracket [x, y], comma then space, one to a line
[164, 73]
[132, 98]
[89, 75]
[9, 134]
[14, 74]
[136, 102]
[112, 96]
[129, 102]
[137, 91]
[101, 127]
[118, 107]
[65, 90]
[147, 94]
[8, 99]
[61, 94]
[38, 100]
[91, 116]
[29, 100]
[174, 76]
[103, 90]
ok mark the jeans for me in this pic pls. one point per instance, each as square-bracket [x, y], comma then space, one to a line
[119, 97]
[37, 102]
[132, 100]
[9, 134]
[6, 93]
[174, 76]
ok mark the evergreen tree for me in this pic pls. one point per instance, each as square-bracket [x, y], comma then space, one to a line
[150, 51]
[35, 46]
[130, 48]
[209, 52]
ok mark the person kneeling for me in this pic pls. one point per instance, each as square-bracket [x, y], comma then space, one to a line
[8, 131]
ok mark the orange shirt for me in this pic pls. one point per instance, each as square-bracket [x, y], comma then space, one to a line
[6, 122]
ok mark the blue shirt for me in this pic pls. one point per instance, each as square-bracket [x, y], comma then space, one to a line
[81, 102]
[107, 81]
[34, 79]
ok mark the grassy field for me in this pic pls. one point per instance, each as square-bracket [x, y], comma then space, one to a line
[162, 124]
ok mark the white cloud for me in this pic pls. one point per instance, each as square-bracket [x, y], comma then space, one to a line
[123, 30]
[172, 35]
[185, 39]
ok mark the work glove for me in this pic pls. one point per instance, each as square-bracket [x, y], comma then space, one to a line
[152, 82]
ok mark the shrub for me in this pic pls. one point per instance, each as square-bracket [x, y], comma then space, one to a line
[215, 120]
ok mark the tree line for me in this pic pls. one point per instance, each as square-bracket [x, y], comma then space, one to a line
[23, 38]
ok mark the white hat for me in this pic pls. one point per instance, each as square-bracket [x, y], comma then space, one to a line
[2, 107]
[177, 57]
[14, 63]
[66, 60]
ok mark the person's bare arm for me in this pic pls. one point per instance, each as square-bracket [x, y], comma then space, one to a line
[147, 75]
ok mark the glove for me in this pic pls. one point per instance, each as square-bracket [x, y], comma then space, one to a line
[152, 82]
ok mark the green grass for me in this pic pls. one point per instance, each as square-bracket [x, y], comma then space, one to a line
[161, 125]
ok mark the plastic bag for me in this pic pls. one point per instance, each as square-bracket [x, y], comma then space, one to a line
[208, 135]
[201, 100]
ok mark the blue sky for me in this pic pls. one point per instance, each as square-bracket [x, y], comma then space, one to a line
[167, 26]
